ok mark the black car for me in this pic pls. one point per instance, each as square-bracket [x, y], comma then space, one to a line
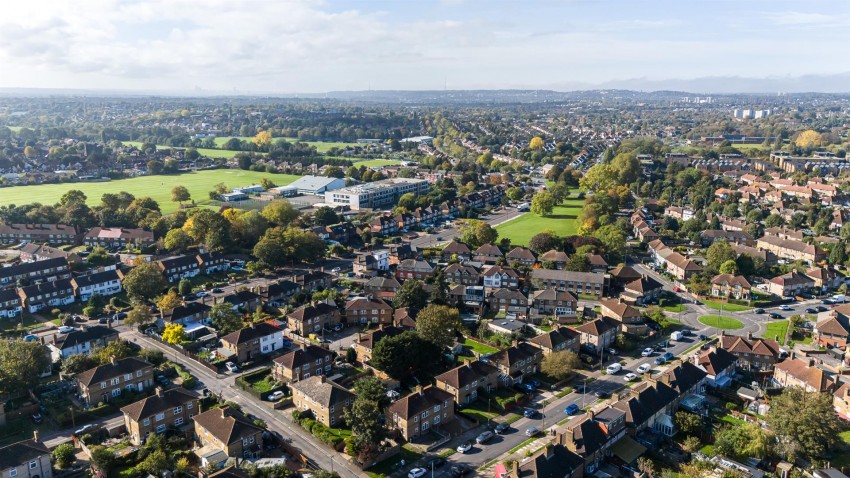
[759, 311]
[436, 462]
[601, 394]
[105, 320]
[704, 337]
[687, 333]
[217, 290]
[460, 470]
[774, 315]
[811, 311]
[502, 428]
[821, 308]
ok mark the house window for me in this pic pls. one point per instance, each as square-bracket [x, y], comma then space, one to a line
[189, 405]
[33, 465]
[160, 428]
[102, 385]
[13, 472]
[178, 421]
[116, 392]
[139, 373]
[115, 381]
[160, 417]
[178, 410]
[146, 421]
[251, 439]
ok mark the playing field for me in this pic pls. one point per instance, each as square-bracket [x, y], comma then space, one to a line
[198, 183]
[210, 153]
[562, 221]
[321, 146]
[374, 163]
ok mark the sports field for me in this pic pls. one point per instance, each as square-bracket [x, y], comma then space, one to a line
[562, 221]
[374, 163]
[198, 183]
[210, 153]
[321, 146]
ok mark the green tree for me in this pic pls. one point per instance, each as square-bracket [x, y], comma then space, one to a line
[806, 420]
[371, 389]
[180, 194]
[612, 239]
[64, 455]
[515, 193]
[155, 463]
[225, 319]
[77, 363]
[544, 242]
[578, 263]
[281, 213]
[476, 233]
[103, 458]
[542, 203]
[601, 177]
[184, 287]
[118, 349]
[559, 192]
[405, 354]
[438, 324]
[718, 253]
[411, 294]
[138, 315]
[325, 216]
[73, 196]
[177, 240]
[688, 423]
[560, 365]
[174, 333]
[367, 429]
[21, 364]
[729, 267]
[407, 201]
[838, 255]
[144, 281]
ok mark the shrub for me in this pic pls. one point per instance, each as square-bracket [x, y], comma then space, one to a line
[64, 455]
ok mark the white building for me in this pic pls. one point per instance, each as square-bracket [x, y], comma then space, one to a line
[100, 283]
[316, 185]
[252, 189]
[377, 194]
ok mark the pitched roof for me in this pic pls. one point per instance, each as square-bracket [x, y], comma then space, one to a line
[554, 338]
[833, 326]
[756, 346]
[625, 273]
[78, 336]
[488, 250]
[716, 361]
[562, 275]
[465, 374]
[417, 402]
[96, 278]
[370, 339]
[310, 311]
[187, 309]
[554, 256]
[37, 267]
[553, 294]
[226, 424]
[21, 452]
[553, 461]
[514, 354]
[301, 356]
[110, 370]
[367, 303]
[620, 309]
[806, 373]
[599, 326]
[456, 247]
[731, 280]
[521, 253]
[322, 391]
[158, 402]
[383, 283]
[252, 332]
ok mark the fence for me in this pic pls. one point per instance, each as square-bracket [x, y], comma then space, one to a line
[245, 384]
[191, 355]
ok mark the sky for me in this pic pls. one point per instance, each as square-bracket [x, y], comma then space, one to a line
[314, 46]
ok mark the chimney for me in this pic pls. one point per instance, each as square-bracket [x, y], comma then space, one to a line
[419, 390]
[793, 355]
[550, 450]
[591, 414]
[322, 378]
[467, 362]
[112, 359]
[158, 391]
[776, 338]
[515, 469]
[303, 345]
[749, 336]
[225, 411]
[722, 332]
[35, 436]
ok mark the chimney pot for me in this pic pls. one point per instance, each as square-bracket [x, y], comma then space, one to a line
[35, 435]
[112, 359]
[749, 336]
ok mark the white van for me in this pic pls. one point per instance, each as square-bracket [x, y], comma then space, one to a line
[676, 335]
[614, 368]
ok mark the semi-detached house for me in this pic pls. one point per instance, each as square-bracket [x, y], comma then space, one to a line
[47, 294]
[100, 283]
[586, 283]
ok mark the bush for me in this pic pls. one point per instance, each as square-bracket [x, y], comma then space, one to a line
[731, 406]
[64, 455]
[90, 311]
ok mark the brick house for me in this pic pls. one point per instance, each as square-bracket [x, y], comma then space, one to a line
[521, 256]
[229, 431]
[312, 318]
[497, 277]
[516, 362]
[790, 284]
[26, 459]
[169, 409]
[117, 237]
[752, 354]
[107, 381]
[368, 310]
[457, 273]
[456, 249]
[630, 317]
[179, 267]
[558, 259]
[599, 333]
[488, 254]
[302, 363]
[557, 340]
[47, 294]
[730, 286]
[587, 283]
[414, 269]
[253, 341]
[467, 381]
[324, 398]
[560, 304]
[415, 414]
[802, 373]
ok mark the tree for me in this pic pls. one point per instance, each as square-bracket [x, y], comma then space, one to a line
[280, 213]
[138, 315]
[77, 363]
[560, 192]
[729, 267]
[542, 203]
[691, 444]
[544, 242]
[144, 281]
[279, 246]
[177, 240]
[174, 333]
[743, 440]
[804, 419]
[325, 216]
[103, 458]
[476, 233]
[21, 363]
[405, 354]
[170, 300]
[411, 294]
[515, 193]
[184, 287]
[118, 349]
[407, 201]
[438, 324]
[559, 365]
[262, 139]
[73, 196]
[645, 465]
[179, 194]
[371, 389]
[578, 263]
[688, 423]
[64, 455]
[808, 139]
[154, 463]
[718, 253]
[601, 177]
[612, 239]
[838, 255]
[367, 429]
[536, 143]
[225, 319]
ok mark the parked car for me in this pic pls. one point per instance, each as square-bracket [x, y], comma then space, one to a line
[811, 310]
[84, 429]
[601, 394]
[464, 447]
[459, 470]
[532, 431]
[66, 329]
[529, 413]
[644, 368]
[821, 308]
[217, 290]
[105, 320]
[612, 351]
[613, 368]
[201, 293]
[275, 396]
[484, 437]
[785, 307]
[774, 315]
[417, 473]
[436, 462]
[231, 366]
[668, 356]
[704, 337]
[502, 428]
[647, 352]
[572, 409]
[660, 360]
[758, 311]
[630, 377]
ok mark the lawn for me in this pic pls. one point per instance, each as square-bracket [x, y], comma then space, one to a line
[11, 324]
[376, 163]
[562, 221]
[478, 411]
[675, 308]
[323, 146]
[482, 349]
[199, 183]
[210, 153]
[390, 465]
[721, 322]
[726, 307]
[778, 328]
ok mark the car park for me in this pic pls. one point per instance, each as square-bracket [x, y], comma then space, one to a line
[532, 431]
[630, 377]
[572, 409]
[231, 366]
[502, 428]
[484, 437]
[417, 473]
[644, 368]
[464, 447]
[647, 352]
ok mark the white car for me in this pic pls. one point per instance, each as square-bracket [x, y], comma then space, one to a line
[630, 377]
[337, 270]
[66, 329]
[613, 368]
[273, 397]
[416, 473]
[644, 368]
[231, 366]
[464, 447]
[647, 352]
[785, 307]
[201, 293]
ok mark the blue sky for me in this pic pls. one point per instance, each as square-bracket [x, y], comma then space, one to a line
[290, 46]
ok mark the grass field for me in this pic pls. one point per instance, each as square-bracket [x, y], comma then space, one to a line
[562, 221]
[725, 307]
[721, 322]
[210, 153]
[778, 328]
[374, 163]
[199, 184]
[323, 146]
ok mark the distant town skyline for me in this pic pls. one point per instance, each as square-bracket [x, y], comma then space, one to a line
[313, 46]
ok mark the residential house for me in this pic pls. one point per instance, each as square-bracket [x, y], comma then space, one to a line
[521, 256]
[752, 354]
[509, 301]
[649, 405]
[324, 398]
[468, 381]
[342, 232]
[312, 318]
[384, 287]
[107, 381]
[368, 310]
[80, 341]
[719, 366]
[10, 303]
[47, 294]
[164, 410]
[558, 303]
[401, 252]
[826, 279]
[630, 317]
[118, 237]
[680, 266]
[790, 284]
[768, 257]
[558, 259]
[414, 269]
[229, 431]
[53, 234]
[791, 249]
[457, 273]
[834, 331]
[26, 459]
[367, 341]
[601, 332]
[278, 293]
[794, 372]
[32, 252]
[186, 314]
[179, 267]
[711, 236]
[598, 264]
[253, 341]
[301, 363]
[592, 435]
[384, 226]
[497, 277]
[318, 280]
[642, 291]
[33, 272]
[551, 461]
[471, 295]
[100, 283]
[211, 262]
[623, 275]
[557, 340]
[730, 286]
[242, 300]
[456, 250]
[516, 362]
[417, 413]
[488, 254]
[841, 400]
[582, 283]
